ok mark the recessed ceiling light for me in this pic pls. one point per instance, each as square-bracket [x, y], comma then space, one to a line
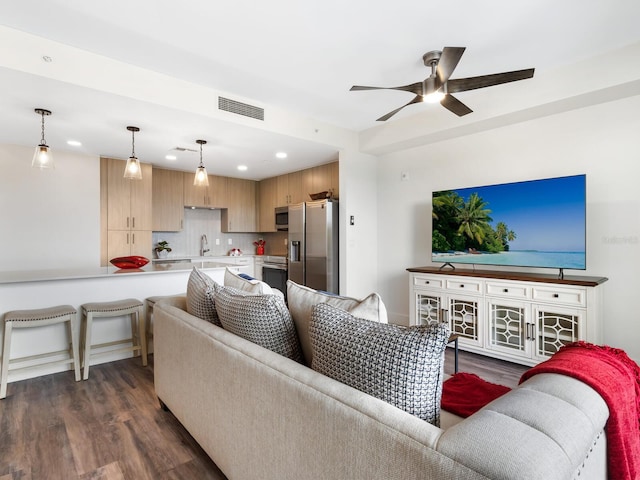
[242, 168]
[281, 155]
[171, 157]
[74, 143]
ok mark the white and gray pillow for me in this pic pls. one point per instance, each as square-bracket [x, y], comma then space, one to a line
[401, 365]
[302, 299]
[261, 319]
[199, 303]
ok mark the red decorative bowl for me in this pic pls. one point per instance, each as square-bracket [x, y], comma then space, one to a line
[129, 262]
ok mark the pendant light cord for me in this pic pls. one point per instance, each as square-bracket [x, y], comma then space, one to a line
[43, 141]
[133, 143]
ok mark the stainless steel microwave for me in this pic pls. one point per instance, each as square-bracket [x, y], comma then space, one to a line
[282, 219]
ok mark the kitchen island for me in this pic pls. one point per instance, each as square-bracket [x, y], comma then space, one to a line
[20, 290]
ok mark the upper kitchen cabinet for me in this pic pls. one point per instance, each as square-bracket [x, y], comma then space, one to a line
[323, 178]
[126, 218]
[240, 214]
[334, 180]
[168, 207]
[267, 203]
[289, 189]
[213, 196]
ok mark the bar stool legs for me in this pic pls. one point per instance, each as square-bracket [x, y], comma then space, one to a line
[133, 308]
[39, 318]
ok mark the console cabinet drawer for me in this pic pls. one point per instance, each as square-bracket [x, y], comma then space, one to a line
[560, 296]
[464, 285]
[508, 290]
[428, 282]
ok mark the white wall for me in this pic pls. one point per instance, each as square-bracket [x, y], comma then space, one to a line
[48, 218]
[601, 141]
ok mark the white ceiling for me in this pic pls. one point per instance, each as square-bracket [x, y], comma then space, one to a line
[300, 56]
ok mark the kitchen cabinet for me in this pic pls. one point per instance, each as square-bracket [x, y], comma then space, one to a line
[240, 214]
[128, 211]
[267, 194]
[290, 189]
[522, 318]
[213, 196]
[167, 196]
[334, 180]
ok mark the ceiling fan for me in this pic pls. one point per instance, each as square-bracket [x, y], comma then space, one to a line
[438, 87]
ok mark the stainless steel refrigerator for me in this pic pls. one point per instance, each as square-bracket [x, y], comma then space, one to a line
[313, 245]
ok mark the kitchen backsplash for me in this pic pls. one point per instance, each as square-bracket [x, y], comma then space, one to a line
[201, 221]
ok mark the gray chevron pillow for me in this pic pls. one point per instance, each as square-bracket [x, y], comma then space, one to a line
[401, 365]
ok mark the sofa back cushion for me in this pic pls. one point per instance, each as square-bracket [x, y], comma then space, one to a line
[261, 319]
[301, 301]
[401, 365]
[199, 303]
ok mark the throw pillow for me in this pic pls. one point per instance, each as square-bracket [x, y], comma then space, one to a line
[261, 319]
[235, 280]
[401, 365]
[199, 303]
[301, 301]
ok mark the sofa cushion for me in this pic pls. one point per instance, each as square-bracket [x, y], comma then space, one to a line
[301, 301]
[199, 303]
[401, 365]
[237, 281]
[261, 319]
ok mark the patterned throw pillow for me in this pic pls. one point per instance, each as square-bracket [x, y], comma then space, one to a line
[261, 319]
[199, 304]
[401, 365]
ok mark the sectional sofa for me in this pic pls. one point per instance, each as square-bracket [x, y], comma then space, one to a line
[260, 415]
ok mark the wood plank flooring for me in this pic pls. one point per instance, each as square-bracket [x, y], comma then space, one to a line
[111, 427]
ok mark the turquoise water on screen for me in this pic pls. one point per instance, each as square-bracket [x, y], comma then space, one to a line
[573, 260]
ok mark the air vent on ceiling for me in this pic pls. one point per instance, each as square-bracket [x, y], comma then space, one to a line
[240, 108]
[183, 149]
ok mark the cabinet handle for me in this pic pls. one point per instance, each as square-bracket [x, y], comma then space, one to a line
[133, 239]
[127, 222]
[462, 285]
[133, 222]
[426, 282]
[555, 295]
[506, 290]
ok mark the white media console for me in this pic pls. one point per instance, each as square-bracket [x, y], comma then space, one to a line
[519, 317]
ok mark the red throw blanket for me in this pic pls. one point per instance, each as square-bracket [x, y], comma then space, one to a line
[616, 377]
[465, 393]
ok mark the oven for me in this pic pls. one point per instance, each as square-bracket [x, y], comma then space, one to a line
[274, 272]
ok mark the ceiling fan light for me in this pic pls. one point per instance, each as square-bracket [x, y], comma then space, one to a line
[42, 157]
[433, 97]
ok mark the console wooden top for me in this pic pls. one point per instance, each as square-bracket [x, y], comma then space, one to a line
[582, 281]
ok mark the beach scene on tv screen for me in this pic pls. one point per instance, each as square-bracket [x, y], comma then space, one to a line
[538, 223]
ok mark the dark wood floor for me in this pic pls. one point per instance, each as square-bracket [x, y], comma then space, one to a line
[110, 427]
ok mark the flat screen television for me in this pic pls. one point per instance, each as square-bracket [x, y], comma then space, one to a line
[537, 223]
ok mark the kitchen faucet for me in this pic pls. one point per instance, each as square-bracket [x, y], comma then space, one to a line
[203, 243]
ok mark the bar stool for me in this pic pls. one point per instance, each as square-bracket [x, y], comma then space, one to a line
[118, 308]
[150, 302]
[39, 318]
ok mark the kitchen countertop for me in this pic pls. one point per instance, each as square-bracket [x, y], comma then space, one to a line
[10, 277]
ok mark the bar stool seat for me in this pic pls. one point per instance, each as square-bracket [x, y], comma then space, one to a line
[39, 318]
[150, 302]
[130, 306]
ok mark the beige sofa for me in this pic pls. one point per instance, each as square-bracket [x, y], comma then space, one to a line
[261, 416]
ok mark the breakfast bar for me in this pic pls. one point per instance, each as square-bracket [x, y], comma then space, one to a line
[21, 290]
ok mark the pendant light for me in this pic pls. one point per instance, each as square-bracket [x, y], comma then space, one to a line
[42, 157]
[132, 170]
[201, 179]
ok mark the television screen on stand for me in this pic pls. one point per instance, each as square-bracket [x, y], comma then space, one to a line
[536, 223]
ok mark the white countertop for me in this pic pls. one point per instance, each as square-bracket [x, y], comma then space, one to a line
[99, 272]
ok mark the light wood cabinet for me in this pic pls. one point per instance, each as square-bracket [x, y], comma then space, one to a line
[267, 195]
[213, 196]
[240, 214]
[167, 206]
[289, 189]
[127, 208]
[522, 318]
[334, 180]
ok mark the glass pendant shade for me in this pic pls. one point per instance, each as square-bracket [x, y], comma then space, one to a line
[132, 169]
[201, 178]
[42, 156]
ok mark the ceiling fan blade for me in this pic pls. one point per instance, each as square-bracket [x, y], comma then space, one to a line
[416, 99]
[448, 62]
[454, 105]
[471, 83]
[415, 88]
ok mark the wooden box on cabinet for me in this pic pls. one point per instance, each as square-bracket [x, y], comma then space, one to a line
[523, 318]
